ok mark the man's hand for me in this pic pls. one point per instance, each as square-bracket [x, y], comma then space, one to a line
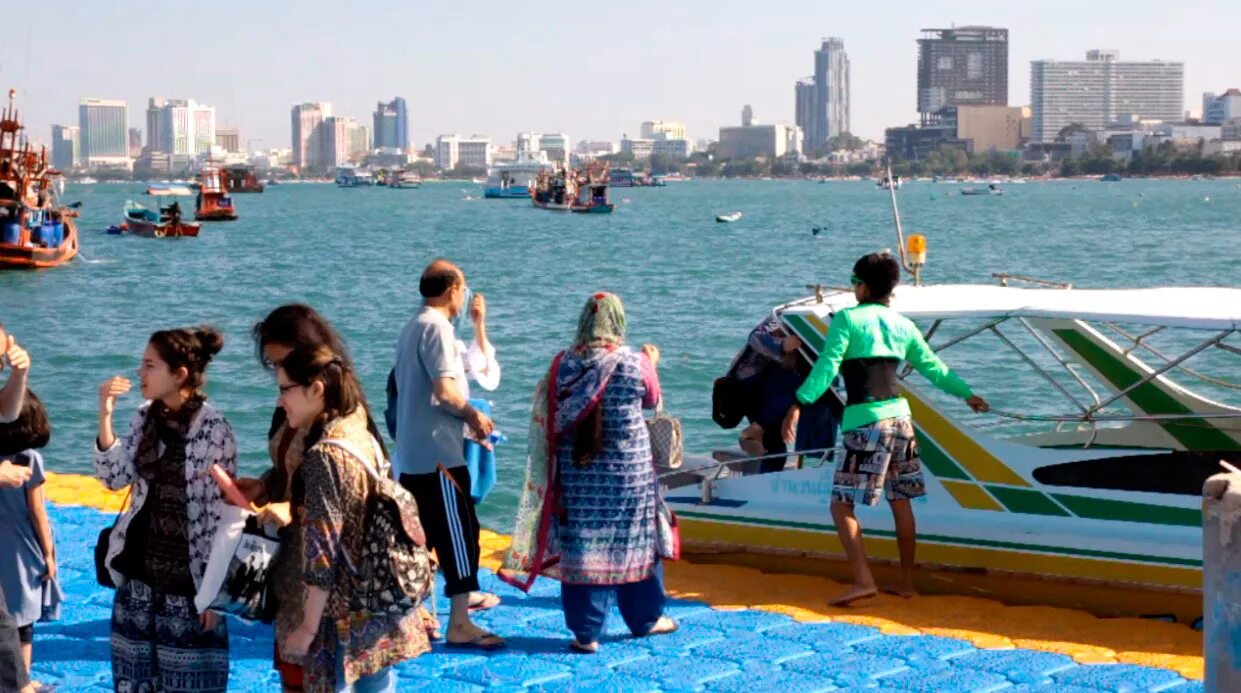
[480, 424]
[978, 404]
[478, 309]
[15, 355]
[12, 475]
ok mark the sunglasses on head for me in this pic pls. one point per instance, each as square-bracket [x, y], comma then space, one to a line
[855, 281]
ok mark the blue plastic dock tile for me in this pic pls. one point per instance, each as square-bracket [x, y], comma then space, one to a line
[686, 637]
[826, 636]
[1187, 687]
[679, 672]
[432, 664]
[846, 667]
[439, 685]
[599, 683]
[509, 668]
[1050, 688]
[755, 621]
[743, 646]
[611, 653]
[764, 678]
[1018, 666]
[915, 648]
[958, 680]
[1119, 678]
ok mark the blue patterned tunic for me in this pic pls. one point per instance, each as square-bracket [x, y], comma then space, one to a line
[607, 528]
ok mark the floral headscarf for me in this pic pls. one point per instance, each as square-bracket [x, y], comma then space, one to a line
[602, 323]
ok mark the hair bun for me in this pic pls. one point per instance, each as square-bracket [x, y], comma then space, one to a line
[210, 342]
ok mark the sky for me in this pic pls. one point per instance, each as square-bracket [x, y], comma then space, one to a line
[594, 70]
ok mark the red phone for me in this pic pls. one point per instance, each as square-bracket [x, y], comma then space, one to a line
[229, 488]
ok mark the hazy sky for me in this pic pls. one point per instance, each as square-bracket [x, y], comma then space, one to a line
[592, 69]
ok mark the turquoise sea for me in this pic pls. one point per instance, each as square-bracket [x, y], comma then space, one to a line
[692, 286]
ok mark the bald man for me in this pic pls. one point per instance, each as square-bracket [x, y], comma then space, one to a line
[432, 414]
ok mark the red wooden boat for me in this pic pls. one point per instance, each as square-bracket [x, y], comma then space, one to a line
[167, 223]
[213, 202]
[241, 179]
[36, 232]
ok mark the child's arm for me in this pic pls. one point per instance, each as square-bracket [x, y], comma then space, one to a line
[42, 527]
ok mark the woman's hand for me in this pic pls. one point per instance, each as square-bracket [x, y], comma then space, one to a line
[297, 644]
[978, 404]
[50, 574]
[278, 514]
[16, 356]
[788, 432]
[250, 487]
[209, 620]
[108, 392]
[652, 353]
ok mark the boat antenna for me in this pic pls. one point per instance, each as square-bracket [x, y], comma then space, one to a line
[900, 232]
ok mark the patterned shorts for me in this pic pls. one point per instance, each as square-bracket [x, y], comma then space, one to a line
[883, 455]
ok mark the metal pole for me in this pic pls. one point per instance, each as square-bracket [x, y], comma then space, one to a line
[900, 232]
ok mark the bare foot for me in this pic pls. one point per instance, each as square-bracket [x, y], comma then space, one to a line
[588, 648]
[902, 591]
[853, 594]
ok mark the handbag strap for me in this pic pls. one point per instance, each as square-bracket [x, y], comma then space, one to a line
[356, 453]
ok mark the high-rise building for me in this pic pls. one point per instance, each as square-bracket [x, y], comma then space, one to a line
[557, 147]
[185, 127]
[306, 119]
[822, 101]
[65, 147]
[962, 66]
[452, 151]
[359, 141]
[1099, 90]
[663, 129]
[135, 143]
[341, 140]
[752, 140]
[1221, 108]
[104, 132]
[228, 139]
[391, 125]
[155, 134]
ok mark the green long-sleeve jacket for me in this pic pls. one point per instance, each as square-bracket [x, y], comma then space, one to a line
[873, 330]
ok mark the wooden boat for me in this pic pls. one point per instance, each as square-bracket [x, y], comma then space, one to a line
[554, 191]
[166, 223]
[403, 179]
[240, 178]
[36, 231]
[989, 190]
[592, 190]
[728, 218]
[213, 203]
[584, 192]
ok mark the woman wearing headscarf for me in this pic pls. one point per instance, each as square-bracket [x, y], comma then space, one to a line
[589, 509]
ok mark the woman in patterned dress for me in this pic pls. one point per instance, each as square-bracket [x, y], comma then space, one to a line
[160, 545]
[341, 649]
[588, 515]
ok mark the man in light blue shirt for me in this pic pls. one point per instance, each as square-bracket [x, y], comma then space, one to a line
[432, 414]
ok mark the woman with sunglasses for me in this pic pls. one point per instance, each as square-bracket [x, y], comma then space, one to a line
[866, 344]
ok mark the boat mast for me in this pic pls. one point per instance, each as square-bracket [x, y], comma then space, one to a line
[900, 232]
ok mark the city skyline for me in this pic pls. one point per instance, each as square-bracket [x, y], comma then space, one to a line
[697, 64]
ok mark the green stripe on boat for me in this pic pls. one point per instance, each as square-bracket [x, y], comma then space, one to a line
[1028, 501]
[806, 331]
[1194, 434]
[1126, 511]
[936, 460]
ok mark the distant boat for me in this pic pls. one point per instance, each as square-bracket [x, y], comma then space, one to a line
[992, 189]
[404, 179]
[728, 218]
[893, 183]
[1111, 178]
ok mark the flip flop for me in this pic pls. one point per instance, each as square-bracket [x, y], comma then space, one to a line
[486, 601]
[495, 643]
[579, 648]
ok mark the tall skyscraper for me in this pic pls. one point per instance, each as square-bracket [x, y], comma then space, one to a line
[155, 134]
[962, 66]
[307, 117]
[803, 111]
[1099, 90]
[228, 139]
[135, 142]
[831, 91]
[104, 125]
[65, 147]
[391, 124]
[185, 127]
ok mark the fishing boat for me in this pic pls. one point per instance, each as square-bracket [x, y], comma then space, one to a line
[1083, 493]
[623, 178]
[36, 231]
[349, 176]
[403, 179]
[889, 183]
[515, 180]
[240, 178]
[554, 190]
[163, 222]
[728, 218]
[213, 202]
[592, 190]
[1111, 178]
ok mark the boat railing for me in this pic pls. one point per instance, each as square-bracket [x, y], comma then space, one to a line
[707, 475]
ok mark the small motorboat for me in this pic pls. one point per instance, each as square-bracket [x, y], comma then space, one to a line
[166, 223]
[992, 189]
[728, 218]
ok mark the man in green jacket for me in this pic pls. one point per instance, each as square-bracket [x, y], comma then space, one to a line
[866, 345]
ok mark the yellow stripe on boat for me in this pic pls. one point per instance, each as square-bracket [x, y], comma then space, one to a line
[971, 496]
[974, 458]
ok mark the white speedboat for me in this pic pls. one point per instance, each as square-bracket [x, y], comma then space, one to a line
[728, 218]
